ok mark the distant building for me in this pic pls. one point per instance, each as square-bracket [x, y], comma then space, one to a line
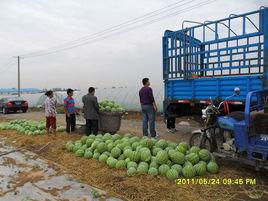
[14, 91]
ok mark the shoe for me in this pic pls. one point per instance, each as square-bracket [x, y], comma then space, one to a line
[174, 130]
[156, 137]
[170, 131]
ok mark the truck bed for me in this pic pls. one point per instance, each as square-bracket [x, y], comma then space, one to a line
[205, 88]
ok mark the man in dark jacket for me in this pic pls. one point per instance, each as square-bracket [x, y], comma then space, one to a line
[148, 108]
[91, 111]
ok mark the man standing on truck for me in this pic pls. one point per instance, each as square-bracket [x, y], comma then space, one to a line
[148, 108]
[91, 111]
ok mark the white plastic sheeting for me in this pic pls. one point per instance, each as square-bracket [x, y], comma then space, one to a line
[127, 97]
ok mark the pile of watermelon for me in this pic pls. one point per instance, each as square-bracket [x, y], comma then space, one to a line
[27, 127]
[110, 106]
[145, 155]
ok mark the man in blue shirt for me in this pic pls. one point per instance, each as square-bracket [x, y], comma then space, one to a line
[69, 108]
[148, 108]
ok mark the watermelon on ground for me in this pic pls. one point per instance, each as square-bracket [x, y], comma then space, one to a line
[212, 167]
[172, 174]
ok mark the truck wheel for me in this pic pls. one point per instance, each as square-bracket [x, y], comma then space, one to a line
[202, 141]
[24, 111]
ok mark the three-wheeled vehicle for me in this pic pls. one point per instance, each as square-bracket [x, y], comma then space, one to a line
[240, 136]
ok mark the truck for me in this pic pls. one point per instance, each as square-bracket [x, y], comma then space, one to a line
[207, 61]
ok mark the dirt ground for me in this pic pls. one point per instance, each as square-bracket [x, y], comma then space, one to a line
[142, 187]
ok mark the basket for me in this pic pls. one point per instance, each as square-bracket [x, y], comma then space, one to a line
[110, 122]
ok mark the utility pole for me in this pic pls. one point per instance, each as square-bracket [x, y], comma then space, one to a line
[18, 76]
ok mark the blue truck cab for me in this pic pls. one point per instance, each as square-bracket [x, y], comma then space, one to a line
[209, 60]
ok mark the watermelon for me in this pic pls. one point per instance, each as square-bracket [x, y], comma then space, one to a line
[142, 168]
[135, 156]
[177, 157]
[188, 171]
[103, 158]
[127, 147]
[132, 164]
[147, 143]
[107, 136]
[172, 174]
[187, 163]
[132, 140]
[84, 139]
[110, 146]
[177, 167]
[89, 142]
[155, 150]
[145, 155]
[163, 169]
[161, 144]
[96, 155]
[182, 147]
[212, 167]
[116, 137]
[120, 164]
[200, 169]
[88, 154]
[107, 153]
[204, 155]
[84, 147]
[212, 158]
[193, 158]
[69, 146]
[115, 152]
[95, 144]
[194, 149]
[127, 153]
[154, 164]
[75, 148]
[173, 145]
[162, 157]
[80, 152]
[121, 157]
[135, 145]
[203, 163]
[111, 162]
[153, 171]
[131, 171]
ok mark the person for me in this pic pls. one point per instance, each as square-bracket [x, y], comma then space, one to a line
[148, 108]
[70, 112]
[50, 112]
[171, 119]
[91, 111]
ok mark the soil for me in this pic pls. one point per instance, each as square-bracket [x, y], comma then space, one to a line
[141, 187]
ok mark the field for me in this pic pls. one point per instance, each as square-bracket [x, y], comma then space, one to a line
[141, 187]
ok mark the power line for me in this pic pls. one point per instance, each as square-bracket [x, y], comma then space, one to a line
[6, 67]
[94, 39]
[122, 25]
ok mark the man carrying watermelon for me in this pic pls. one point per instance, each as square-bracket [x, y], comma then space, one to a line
[148, 108]
[50, 112]
[91, 111]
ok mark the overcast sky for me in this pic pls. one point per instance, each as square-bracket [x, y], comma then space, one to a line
[121, 60]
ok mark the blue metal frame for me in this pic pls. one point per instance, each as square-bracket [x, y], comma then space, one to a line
[255, 102]
[233, 47]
